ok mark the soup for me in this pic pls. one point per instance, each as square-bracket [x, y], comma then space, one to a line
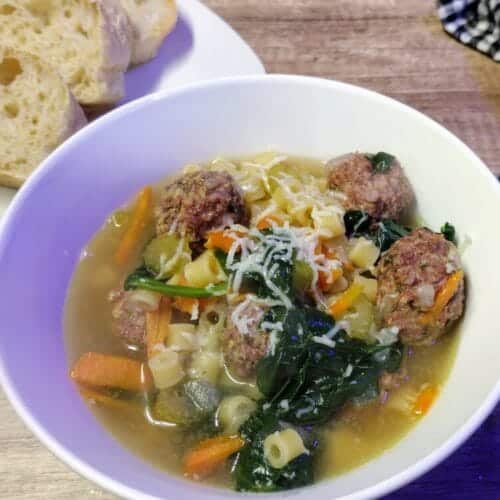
[264, 323]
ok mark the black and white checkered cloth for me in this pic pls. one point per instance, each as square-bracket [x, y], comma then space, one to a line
[474, 22]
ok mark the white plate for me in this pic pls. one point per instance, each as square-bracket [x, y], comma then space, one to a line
[201, 47]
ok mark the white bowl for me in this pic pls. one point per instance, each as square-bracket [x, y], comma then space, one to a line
[67, 199]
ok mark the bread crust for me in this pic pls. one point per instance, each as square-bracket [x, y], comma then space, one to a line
[151, 22]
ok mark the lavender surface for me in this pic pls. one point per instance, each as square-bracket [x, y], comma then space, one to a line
[472, 472]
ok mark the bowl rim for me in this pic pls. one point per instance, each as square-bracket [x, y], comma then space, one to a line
[6, 225]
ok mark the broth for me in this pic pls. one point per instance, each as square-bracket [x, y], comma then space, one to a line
[355, 435]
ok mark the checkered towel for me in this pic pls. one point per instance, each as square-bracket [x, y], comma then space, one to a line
[474, 22]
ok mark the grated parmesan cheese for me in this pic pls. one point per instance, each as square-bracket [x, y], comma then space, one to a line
[324, 340]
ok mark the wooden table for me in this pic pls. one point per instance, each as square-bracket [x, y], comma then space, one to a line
[396, 47]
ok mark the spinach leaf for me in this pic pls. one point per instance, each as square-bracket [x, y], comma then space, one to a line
[317, 375]
[357, 223]
[288, 354]
[383, 233]
[381, 162]
[336, 375]
[141, 278]
[387, 233]
[448, 231]
[252, 472]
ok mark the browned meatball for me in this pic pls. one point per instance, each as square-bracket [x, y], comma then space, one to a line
[197, 202]
[129, 320]
[244, 349]
[383, 195]
[410, 274]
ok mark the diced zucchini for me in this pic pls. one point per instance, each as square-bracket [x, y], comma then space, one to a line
[173, 406]
[203, 395]
[302, 276]
[166, 254]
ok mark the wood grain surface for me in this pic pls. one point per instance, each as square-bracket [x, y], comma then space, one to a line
[396, 47]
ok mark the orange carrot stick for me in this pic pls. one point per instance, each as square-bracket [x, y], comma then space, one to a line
[444, 295]
[157, 326]
[222, 240]
[187, 305]
[346, 300]
[210, 453]
[425, 399]
[268, 221]
[326, 280]
[138, 221]
[104, 370]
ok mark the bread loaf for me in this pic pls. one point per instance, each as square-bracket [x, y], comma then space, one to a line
[37, 113]
[152, 21]
[88, 41]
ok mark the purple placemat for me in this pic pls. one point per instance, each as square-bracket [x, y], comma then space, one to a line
[471, 473]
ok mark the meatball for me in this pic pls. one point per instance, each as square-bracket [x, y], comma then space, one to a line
[197, 202]
[410, 274]
[129, 320]
[382, 195]
[244, 344]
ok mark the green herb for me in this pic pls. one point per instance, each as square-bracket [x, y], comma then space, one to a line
[141, 278]
[388, 232]
[318, 373]
[448, 231]
[381, 162]
[383, 233]
[252, 472]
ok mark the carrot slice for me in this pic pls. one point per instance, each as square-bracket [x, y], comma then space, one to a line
[157, 326]
[140, 217]
[210, 453]
[346, 300]
[326, 280]
[444, 295]
[105, 370]
[223, 240]
[425, 399]
[269, 221]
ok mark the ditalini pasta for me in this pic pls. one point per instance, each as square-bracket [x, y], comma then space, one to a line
[234, 411]
[280, 448]
[251, 318]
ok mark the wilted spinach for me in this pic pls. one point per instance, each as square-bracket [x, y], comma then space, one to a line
[383, 233]
[253, 473]
[448, 231]
[381, 162]
[317, 375]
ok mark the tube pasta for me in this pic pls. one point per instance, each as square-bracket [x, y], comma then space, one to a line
[328, 222]
[204, 270]
[205, 366]
[233, 412]
[369, 287]
[144, 299]
[181, 337]
[210, 327]
[166, 368]
[364, 253]
[281, 447]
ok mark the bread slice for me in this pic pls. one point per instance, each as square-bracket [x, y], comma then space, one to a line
[88, 41]
[37, 113]
[152, 21]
